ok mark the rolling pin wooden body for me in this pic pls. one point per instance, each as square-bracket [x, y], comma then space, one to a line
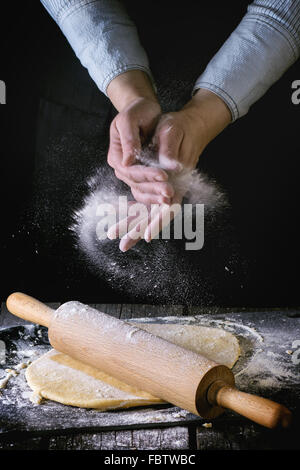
[143, 360]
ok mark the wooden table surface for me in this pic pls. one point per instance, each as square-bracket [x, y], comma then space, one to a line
[279, 333]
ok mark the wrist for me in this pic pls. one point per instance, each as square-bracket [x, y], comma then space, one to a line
[209, 112]
[129, 87]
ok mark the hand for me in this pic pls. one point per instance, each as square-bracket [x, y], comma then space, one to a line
[132, 95]
[182, 136]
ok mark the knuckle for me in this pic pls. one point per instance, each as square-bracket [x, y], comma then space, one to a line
[135, 187]
[165, 187]
[173, 130]
[141, 188]
[135, 193]
[131, 144]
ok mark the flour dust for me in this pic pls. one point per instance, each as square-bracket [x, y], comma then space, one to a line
[162, 271]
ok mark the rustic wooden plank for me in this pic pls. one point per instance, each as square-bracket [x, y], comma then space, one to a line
[218, 438]
[142, 439]
[148, 311]
[75, 442]
[54, 417]
[123, 440]
[238, 435]
[215, 309]
[35, 443]
[108, 440]
[111, 309]
[8, 320]
[148, 439]
[174, 438]
[118, 440]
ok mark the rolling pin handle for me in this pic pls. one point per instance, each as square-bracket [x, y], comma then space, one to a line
[28, 308]
[258, 409]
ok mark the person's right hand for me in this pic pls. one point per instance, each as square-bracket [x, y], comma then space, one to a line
[139, 112]
[128, 131]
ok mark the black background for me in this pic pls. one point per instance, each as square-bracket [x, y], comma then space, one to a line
[49, 93]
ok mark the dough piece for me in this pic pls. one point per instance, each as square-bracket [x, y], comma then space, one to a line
[61, 378]
[214, 343]
[58, 377]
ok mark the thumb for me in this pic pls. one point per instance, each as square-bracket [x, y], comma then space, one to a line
[168, 140]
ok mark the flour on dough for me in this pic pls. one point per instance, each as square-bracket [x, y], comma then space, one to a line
[58, 377]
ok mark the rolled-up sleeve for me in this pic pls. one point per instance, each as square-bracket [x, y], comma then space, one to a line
[102, 36]
[262, 47]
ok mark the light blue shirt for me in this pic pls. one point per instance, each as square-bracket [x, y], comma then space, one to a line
[262, 47]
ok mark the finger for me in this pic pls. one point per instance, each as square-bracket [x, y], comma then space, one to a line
[161, 220]
[130, 140]
[161, 189]
[149, 199]
[148, 193]
[126, 243]
[140, 173]
[119, 229]
[137, 232]
[165, 190]
[125, 225]
[188, 155]
[169, 163]
[169, 138]
[115, 152]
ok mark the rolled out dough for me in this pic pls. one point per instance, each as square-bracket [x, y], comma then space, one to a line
[58, 377]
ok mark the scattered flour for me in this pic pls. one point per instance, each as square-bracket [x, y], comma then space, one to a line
[14, 388]
[163, 270]
[267, 371]
[4, 381]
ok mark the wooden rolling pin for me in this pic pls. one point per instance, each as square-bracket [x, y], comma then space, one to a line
[145, 361]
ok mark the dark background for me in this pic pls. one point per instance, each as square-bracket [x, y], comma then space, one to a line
[54, 133]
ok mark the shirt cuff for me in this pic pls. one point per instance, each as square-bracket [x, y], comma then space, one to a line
[254, 56]
[102, 36]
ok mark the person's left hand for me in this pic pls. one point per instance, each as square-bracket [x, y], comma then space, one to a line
[182, 136]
